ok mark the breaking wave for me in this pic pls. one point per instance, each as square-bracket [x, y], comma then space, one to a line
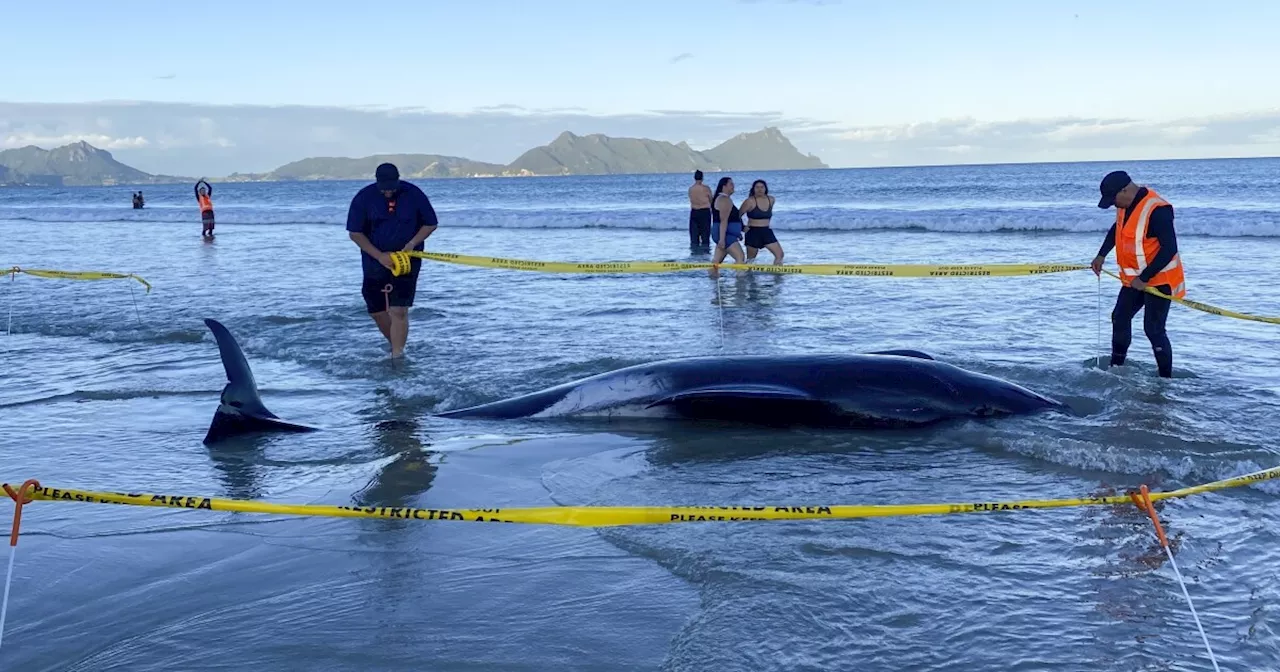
[1191, 221]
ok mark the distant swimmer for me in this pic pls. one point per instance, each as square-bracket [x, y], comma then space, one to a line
[699, 214]
[1147, 254]
[137, 200]
[204, 196]
[389, 216]
[759, 234]
[726, 228]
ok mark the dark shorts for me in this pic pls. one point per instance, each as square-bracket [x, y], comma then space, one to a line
[759, 236]
[700, 226]
[403, 290]
[206, 217]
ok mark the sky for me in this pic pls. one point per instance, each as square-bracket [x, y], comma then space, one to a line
[212, 88]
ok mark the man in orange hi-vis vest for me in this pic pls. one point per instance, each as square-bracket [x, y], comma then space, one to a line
[1147, 254]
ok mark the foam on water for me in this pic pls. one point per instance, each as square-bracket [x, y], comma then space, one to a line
[954, 199]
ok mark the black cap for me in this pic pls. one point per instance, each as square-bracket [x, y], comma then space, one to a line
[697, 174]
[1110, 186]
[388, 177]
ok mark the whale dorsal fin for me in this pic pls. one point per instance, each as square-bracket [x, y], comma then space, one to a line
[241, 391]
[241, 410]
[903, 353]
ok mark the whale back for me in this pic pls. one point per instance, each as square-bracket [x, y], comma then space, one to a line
[885, 388]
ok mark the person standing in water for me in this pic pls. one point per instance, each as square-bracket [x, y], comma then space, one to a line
[204, 196]
[726, 227]
[758, 207]
[1147, 254]
[699, 214]
[388, 216]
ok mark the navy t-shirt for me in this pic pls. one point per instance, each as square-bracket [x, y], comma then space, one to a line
[389, 224]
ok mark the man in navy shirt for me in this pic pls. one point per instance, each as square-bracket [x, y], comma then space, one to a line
[387, 216]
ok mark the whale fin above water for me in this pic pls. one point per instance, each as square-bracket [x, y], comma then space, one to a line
[241, 410]
[903, 353]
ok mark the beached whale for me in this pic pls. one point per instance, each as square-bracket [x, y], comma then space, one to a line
[893, 388]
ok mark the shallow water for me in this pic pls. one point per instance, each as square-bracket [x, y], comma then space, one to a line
[98, 396]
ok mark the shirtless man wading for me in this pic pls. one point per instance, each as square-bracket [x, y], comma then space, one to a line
[699, 214]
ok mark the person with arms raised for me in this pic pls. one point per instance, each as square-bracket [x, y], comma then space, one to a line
[389, 216]
[204, 196]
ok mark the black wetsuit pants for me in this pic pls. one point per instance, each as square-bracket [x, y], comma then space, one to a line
[1128, 303]
[700, 227]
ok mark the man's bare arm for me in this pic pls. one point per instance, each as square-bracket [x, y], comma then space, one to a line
[424, 232]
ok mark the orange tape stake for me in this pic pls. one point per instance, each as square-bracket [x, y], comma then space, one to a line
[19, 498]
[1144, 503]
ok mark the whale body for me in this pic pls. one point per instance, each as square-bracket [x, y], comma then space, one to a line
[885, 389]
[879, 389]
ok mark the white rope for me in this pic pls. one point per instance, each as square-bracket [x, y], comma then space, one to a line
[1101, 354]
[720, 306]
[135, 304]
[4, 608]
[12, 276]
[1199, 627]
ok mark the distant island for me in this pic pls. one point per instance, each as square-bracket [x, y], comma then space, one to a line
[76, 165]
[81, 164]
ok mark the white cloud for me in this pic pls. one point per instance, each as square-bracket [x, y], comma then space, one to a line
[16, 140]
[1059, 139]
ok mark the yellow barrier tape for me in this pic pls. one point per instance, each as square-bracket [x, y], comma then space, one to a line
[401, 265]
[400, 262]
[607, 516]
[1204, 306]
[78, 275]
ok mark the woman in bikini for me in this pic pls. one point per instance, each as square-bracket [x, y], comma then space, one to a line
[758, 207]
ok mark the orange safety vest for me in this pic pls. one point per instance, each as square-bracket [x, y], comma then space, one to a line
[1134, 249]
[205, 203]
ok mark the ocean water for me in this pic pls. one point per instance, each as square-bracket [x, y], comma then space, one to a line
[103, 386]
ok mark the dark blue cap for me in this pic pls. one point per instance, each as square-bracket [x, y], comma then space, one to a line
[1110, 186]
[388, 177]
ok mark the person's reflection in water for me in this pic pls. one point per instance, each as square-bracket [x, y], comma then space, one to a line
[763, 288]
[405, 478]
[759, 294]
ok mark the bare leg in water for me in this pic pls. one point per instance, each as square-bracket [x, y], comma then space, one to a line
[398, 329]
[734, 250]
[383, 320]
[774, 248]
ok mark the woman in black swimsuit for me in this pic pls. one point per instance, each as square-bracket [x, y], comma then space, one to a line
[759, 234]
